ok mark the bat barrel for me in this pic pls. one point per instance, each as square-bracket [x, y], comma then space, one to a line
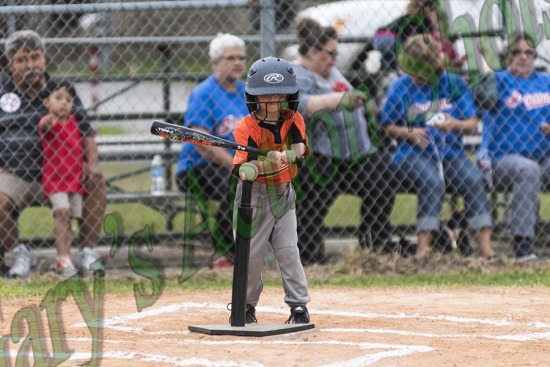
[157, 124]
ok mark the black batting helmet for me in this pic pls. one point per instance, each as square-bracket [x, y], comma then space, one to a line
[271, 75]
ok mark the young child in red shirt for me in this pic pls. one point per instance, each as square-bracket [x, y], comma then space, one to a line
[62, 165]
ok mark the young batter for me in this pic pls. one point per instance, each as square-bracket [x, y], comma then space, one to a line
[273, 125]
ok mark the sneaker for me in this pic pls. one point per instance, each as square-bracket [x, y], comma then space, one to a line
[24, 260]
[298, 315]
[88, 261]
[251, 315]
[527, 257]
[64, 266]
[524, 251]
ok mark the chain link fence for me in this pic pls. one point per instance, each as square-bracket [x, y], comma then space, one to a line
[133, 62]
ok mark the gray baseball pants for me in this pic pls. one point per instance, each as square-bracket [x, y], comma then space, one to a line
[274, 223]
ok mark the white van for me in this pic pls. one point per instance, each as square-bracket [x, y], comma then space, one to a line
[364, 17]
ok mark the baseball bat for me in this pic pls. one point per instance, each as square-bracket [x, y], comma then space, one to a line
[185, 134]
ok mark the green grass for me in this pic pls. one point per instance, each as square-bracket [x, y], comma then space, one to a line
[38, 222]
[213, 281]
[345, 211]
[110, 130]
[465, 278]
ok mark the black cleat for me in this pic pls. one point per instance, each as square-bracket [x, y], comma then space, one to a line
[250, 317]
[251, 314]
[298, 315]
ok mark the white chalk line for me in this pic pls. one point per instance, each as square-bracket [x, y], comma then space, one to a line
[113, 321]
[155, 312]
[372, 358]
[154, 358]
[528, 336]
[391, 351]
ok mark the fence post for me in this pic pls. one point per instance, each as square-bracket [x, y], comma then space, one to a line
[267, 28]
[166, 70]
[11, 20]
[94, 65]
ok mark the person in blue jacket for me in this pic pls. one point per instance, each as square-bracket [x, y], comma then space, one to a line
[427, 110]
[215, 106]
[516, 125]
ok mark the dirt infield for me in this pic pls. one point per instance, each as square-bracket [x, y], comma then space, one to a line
[353, 327]
[446, 326]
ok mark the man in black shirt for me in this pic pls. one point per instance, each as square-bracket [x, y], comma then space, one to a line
[22, 91]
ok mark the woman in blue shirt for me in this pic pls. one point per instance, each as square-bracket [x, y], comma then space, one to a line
[215, 106]
[427, 110]
[515, 134]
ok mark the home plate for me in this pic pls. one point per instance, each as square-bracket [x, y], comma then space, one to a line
[250, 329]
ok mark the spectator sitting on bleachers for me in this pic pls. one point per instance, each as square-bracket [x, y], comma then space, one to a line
[347, 157]
[215, 106]
[515, 135]
[430, 153]
[421, 17]
[22, 94]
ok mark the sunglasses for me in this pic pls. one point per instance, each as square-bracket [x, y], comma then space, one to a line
[530, 53]
[233, 58]
[333, 54]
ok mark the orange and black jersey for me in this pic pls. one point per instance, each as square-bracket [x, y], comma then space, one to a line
[270, 137]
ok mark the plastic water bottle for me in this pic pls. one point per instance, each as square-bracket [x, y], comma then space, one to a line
[157, 175]
[485, 165]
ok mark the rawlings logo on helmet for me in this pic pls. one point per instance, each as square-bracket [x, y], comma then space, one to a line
[274, 78]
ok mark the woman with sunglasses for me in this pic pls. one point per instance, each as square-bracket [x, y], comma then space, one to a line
[427, 110]
[516, 132]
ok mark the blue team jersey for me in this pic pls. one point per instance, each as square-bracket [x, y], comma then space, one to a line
[513, 126]
[214, 109]
[410, 104]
